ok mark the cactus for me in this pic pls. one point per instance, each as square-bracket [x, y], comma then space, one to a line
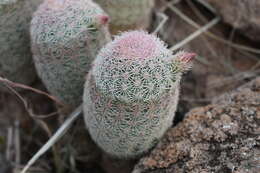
[35, 4]
[128, 14]
[131, 93]
[66, 36]
[15, 55]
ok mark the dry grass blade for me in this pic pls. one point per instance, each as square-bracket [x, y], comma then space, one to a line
[60, 132]
[196, 33]
[212, 35]
[225, 63]
[9, 143]
[162, 22]
[17, 144]
[208, 6]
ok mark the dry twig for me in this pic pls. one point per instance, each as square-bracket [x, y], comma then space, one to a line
[17, 85]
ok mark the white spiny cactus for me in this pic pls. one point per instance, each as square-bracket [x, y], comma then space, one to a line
[132, 92]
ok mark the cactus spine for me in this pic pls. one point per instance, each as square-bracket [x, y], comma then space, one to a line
[66, 35]
[15, 55]
[131, 94]
[128, 14]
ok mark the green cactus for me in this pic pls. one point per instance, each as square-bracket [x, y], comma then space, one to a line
[15, 55]
[66, 36]
[131, 93]
[128, 14]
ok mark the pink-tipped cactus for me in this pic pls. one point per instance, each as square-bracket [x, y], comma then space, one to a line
[128, 14]
[15, 55]
[132, 92]
[66, 36]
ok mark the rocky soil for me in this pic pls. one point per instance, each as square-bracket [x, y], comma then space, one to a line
[223, 137]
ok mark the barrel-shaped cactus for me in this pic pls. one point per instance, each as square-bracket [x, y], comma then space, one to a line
[66, 36]
[128, 14]
[15, 55]
[132, 92]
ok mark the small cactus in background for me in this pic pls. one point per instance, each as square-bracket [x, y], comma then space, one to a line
[128, 14]
[132, 92]
[66, 36]
[15, 55]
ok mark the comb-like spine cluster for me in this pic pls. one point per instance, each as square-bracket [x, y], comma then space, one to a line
[15, 55]
[128, 14]
[132, 92]
[66, 36]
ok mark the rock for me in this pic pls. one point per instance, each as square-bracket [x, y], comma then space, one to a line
[216, 61]
[241, 14]
[221, 137]
[241, 94]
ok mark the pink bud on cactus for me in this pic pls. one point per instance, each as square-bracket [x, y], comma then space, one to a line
[104, 19]
[132, 92]
[185, 60]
